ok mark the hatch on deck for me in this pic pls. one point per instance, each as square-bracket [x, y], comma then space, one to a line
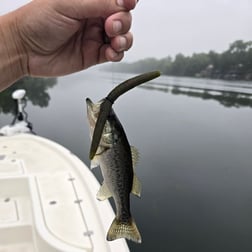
[59, 199]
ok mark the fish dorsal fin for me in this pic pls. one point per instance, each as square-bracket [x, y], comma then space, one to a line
[103, 193]
[136, 187]
[135, 156]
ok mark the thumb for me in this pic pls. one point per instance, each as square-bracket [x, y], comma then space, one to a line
[92, 8]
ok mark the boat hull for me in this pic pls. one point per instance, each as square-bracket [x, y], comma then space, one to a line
[48, 200]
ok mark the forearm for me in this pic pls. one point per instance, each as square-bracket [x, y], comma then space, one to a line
[12, 57]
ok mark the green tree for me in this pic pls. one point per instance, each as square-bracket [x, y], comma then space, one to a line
[179, 65]
[234, 63]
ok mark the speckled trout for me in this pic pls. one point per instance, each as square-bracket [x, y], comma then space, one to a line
[117, 160]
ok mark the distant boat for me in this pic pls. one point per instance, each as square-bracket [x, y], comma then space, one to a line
[48, 197]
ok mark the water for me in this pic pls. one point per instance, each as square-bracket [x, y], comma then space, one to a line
[195, 142]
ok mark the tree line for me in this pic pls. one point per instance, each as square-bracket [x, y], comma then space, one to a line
[233, 64]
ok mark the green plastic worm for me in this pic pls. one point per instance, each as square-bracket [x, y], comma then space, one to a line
[108, 102]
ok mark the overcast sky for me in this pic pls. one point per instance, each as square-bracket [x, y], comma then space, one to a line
[167, 27]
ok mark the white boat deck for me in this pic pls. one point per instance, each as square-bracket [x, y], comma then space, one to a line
[48, 200]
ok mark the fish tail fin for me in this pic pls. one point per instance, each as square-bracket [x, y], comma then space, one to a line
[127, 230]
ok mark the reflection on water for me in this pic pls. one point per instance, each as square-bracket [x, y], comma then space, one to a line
[36, 93]
[225, 98]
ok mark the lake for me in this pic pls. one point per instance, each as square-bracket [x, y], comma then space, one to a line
[195, 142]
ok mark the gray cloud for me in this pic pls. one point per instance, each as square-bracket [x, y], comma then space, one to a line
[165, 27]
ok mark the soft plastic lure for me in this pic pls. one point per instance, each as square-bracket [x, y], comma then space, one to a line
[108, 102]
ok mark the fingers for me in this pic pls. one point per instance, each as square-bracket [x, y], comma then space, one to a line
[118, 24]
[104, 8]
[92, 8]
[117, 29]
[112, 55]
[119, 45]
[117, 21]
[122, 43]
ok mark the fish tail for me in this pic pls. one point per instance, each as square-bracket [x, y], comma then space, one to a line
[127, 230]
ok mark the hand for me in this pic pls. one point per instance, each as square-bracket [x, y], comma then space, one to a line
[61, 36]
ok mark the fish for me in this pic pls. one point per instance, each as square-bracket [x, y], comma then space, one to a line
[107, 103]
[117, 160]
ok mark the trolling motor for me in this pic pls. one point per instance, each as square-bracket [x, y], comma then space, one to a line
[20, 123]
[19, 96]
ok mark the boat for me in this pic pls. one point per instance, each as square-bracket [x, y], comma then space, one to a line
[48, 195]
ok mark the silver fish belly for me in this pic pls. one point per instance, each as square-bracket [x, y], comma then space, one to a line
[117, 160]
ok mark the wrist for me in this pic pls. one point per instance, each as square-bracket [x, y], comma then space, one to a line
[13, 59]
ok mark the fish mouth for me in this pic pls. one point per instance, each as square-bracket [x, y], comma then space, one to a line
[90, 113]
[89, 102]
[95, 107]
[93, 110]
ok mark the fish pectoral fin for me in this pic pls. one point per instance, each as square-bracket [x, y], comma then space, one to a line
[136, 187]
[103, 193]
[93, 164]
[126, 230]
[135, 156]
[107, 139]
[102, 148]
